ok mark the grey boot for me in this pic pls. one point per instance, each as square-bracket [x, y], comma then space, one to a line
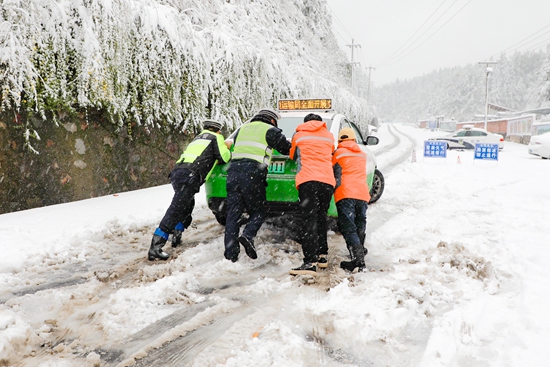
[155, 252]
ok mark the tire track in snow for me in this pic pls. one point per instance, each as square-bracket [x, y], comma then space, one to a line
[75, 321]
[111, 268]
[387, 164]
[117, 274]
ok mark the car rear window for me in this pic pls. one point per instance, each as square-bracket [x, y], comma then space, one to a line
[289, 124]
[478, 133]
[540, 129]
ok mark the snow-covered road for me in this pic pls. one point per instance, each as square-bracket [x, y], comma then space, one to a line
[450, 282]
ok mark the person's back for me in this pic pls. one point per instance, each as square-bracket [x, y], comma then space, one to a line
[247, 178]
[352, 163]
[312, 148]
[190, 172]
[351, 196]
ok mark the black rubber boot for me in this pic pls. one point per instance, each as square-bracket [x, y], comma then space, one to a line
[180, 228]
[232, 252]
[176, 238]
[348, 265]
[155, 251]
[362, 241]
[357, 258]
[248, 245]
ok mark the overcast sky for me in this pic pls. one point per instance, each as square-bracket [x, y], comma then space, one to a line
[404, 38]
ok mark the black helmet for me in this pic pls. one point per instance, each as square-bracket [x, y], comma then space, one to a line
[207, 124]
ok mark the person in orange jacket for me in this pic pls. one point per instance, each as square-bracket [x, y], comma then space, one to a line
[351, 196]
[312, 148]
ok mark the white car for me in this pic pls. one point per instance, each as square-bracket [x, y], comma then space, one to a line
[468, 136]
[540, 145]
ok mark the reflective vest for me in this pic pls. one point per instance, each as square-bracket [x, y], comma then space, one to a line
[351, 178]
[251, 142]
[195, 148]
[312, 148]
[201, 160]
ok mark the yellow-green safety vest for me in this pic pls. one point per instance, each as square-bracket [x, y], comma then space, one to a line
[251, 143]
[195, 149]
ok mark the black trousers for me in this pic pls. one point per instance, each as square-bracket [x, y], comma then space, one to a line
[314, 202]
[246, 182]
[186, 184]
[352, 222]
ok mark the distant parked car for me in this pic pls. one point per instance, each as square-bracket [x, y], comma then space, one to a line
[468, 136]
[540, 145]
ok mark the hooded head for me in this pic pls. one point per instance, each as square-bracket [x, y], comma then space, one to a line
[346, 133]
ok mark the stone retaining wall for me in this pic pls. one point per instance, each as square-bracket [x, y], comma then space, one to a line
[83, 157]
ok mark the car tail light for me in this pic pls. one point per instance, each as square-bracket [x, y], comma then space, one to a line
[501, 139]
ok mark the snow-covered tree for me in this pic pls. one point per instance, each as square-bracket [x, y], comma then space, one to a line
[168, 62]
[543, 93]
[459, 92]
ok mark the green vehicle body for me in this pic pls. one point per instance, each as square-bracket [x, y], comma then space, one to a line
[281, 193]
[281, 186]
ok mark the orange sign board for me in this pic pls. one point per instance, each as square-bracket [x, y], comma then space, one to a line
[305, 104]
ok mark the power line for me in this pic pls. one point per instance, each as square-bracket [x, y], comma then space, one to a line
[423, 33]
[437, 30]
[538, 45]
[339, 22]
[419, 28]
[344, 39]
[526, 38]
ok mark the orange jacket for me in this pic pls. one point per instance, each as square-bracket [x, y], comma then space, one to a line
[350, 168]
[312, 148]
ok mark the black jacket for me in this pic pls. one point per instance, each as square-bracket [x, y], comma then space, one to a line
[205, 161]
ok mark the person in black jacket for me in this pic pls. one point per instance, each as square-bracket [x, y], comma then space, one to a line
[190, 172]
[253, 144]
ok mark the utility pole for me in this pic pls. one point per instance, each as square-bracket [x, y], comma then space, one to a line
[488, 70]
[352, 63]
[368, 85]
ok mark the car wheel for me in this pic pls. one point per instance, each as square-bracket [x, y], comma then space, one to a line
[220, 217]
[377, 186]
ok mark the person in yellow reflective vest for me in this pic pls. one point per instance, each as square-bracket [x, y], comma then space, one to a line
[253, 144]
[191, 171]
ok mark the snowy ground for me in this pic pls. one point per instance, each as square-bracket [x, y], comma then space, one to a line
[458, 276]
